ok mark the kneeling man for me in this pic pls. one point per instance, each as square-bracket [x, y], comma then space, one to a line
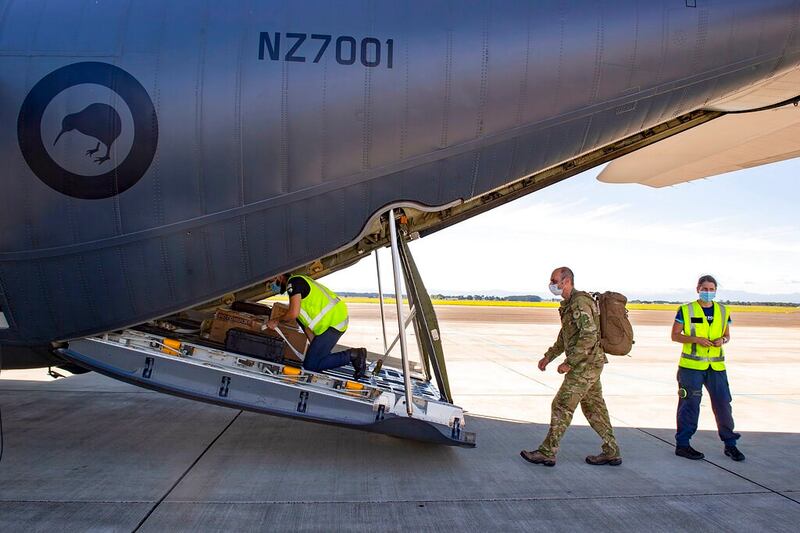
[319, 309]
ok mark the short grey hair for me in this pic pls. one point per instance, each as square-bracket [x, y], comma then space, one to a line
[566, 273]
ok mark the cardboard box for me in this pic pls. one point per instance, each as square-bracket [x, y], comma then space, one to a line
[278, 310]
[296, 338]
[295, 333]
[225, 319]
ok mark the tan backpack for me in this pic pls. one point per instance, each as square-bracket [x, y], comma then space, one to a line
[616, 332]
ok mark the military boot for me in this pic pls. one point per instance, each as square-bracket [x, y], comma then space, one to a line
[538, 458]
[604, 459]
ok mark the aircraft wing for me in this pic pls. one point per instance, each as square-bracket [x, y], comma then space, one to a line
[731, 142]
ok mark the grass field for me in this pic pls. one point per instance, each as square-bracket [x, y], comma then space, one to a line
[631, 306]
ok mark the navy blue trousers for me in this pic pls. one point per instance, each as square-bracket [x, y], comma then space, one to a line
[319, 356]
[690, 393]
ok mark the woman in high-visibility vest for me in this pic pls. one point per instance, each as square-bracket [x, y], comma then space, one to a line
[703, 327]
[319, 309]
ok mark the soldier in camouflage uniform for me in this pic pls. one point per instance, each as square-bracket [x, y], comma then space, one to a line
[580, 339]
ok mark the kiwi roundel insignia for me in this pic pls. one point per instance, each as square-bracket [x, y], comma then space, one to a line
[99, 123]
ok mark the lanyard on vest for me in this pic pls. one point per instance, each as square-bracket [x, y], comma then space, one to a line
[693, 333]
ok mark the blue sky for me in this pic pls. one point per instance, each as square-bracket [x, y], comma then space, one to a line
[742, 227]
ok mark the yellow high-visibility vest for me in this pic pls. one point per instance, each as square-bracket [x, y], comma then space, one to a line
[699, 357]
[322, 309]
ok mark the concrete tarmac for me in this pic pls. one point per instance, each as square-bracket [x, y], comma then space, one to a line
[88, 453]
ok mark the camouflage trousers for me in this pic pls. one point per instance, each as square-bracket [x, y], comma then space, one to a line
[581, 386]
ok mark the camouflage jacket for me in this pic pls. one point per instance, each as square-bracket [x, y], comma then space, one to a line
[580, 332]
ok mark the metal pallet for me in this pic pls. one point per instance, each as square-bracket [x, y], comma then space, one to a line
[183, 368]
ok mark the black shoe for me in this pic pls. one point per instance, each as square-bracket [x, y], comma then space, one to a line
[688, 452]
[359, 362]
[734, 453]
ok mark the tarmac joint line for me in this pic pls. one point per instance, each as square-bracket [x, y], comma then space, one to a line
[728, 470]
[472, 500]
[182, 476]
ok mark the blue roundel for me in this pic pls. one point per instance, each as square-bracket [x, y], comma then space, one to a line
[99, 121]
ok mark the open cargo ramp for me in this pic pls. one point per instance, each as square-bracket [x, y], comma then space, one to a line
[392, 401]
[193, 371]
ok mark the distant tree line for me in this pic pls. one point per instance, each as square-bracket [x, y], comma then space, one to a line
[481, 297]
[466, 297]
[726, 302]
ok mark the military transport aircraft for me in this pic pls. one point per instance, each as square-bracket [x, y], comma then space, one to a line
[167, 156]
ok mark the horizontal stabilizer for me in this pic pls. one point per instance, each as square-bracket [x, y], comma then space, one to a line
[731, 142]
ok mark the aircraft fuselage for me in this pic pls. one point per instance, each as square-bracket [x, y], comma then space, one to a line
[246, 139]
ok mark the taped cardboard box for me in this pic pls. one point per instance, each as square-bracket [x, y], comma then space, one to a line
[279, 309]
[293, 331]
[225, 319]
[296, 338]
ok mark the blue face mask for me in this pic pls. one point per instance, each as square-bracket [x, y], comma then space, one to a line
[276, 287]
[555, 290]
[708, 296]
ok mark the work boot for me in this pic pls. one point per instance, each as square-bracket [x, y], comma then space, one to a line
[359, 362]
[604, 459]
[734, 453]
[537, 458]
[688, 452]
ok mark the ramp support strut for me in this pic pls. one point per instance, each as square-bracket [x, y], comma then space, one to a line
[398, 298]
[380, 300]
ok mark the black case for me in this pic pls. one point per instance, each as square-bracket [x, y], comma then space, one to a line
[252, 308]
[255, 345]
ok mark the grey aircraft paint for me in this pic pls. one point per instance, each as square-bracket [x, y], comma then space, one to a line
[248, 138]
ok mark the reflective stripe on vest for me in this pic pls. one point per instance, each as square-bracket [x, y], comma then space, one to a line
[321, 307]
[698, 357]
